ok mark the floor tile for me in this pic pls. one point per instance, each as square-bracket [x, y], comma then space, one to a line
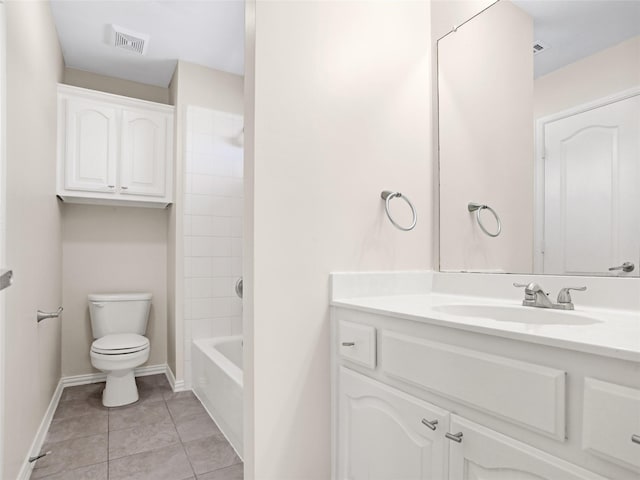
[71, 454]
[81, 392]
[178, 395]
[211, 453]
[137, 414]
[92, 472]
[77, 408]
[75, 427]
[234, 472]
[196, 427]
[130, 441]
[152, 381]
[185, 407]
[152, 394]
[168, 463]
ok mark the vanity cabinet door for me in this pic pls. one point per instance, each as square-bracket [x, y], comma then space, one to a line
[611, 422]
[90, 145]
[144, 153]
[385, 434]
[483, 454]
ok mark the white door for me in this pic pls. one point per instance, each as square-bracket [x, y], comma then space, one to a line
[384, 434]
[91, 145]
[144, 153]
[592, 193]
[483, 454]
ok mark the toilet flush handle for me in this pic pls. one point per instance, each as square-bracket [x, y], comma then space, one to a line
[99, 305]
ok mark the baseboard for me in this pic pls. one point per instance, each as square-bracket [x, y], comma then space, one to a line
[176, 385]
[41, 434]
[101, 377]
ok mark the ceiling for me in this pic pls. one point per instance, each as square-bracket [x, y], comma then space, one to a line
[575, 29]
[206, 32]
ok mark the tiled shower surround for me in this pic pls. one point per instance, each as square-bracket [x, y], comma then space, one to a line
[212, 226]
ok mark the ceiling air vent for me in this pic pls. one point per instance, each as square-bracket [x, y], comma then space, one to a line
[539, 47]
[129, 40]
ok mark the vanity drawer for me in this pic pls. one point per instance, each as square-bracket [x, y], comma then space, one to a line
[525, 393]
[357, 343]
[611, 415]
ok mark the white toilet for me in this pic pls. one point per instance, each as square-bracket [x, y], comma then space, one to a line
[118, 322]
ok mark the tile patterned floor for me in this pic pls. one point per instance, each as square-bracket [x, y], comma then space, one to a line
[163, 436]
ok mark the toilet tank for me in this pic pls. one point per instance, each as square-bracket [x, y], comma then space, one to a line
[119, 313]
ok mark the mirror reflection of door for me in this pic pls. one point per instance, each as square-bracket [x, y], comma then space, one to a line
[592, 189]
[539, 118]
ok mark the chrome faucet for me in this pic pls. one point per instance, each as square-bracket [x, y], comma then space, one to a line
[535, 296]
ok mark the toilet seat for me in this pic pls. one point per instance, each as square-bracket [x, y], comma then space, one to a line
[120, 344]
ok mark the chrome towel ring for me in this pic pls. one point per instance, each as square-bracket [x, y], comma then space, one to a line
[386, 195]
[478, 207]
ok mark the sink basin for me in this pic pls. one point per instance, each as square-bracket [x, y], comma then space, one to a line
[522, 314]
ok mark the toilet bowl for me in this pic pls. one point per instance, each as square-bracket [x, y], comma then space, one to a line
[117, 355]
[118, 322]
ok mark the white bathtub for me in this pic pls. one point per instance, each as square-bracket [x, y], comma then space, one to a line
[217, 381]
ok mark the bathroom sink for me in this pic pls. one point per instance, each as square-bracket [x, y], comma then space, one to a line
[526, 315]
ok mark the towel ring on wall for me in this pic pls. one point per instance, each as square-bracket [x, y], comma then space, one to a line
[477, 207]
[386, 195]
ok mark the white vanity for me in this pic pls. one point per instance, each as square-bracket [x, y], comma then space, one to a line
[439, 376]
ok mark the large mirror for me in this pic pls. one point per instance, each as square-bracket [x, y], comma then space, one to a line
[539, 123]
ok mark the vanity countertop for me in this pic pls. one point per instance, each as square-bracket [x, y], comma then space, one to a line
[613, 333]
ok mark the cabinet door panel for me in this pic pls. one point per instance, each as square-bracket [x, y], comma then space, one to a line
[381, 434]
[91, 144]
[611, 417]
[144, 153]
[484, 454]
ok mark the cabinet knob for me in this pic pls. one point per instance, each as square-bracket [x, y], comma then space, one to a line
[431, 424]
[456, 437]
[635, 439]
[348, 344]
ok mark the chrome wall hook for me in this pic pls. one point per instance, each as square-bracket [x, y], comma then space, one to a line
[44, 315]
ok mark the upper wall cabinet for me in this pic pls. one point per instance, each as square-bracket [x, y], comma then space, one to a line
[113, 150]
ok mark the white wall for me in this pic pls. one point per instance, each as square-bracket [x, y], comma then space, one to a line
[605, 73]
[117, 86]
[111, 249]
[212, 227]
[486, 141]
[33, 239]
[341, 109]
[445, 14]
[200, 86]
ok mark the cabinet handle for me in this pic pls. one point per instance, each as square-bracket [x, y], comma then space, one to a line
[348, 344]
[456, 437]
[635, 439]
[431, 424]
[111, 186]
[124, 188]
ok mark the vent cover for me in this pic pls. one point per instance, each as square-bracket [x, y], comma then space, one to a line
[129, 40]
[539, 47]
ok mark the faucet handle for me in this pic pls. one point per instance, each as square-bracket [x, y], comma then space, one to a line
[565, 297]
[529, 290]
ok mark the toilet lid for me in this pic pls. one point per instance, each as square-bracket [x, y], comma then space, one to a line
[121, 343]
